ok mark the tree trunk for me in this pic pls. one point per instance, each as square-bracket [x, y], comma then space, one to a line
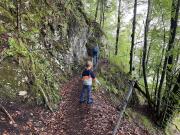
[156, 87]
[169, 96]
[118, 28]
[169, 56]
[103, 14]
[140, 63]
[136, 85]
[158, 70]
[174, 20]
[171, 102]
[162, 56]
[148, 52]
[101, 11]
[97, 8]
[146, 30]
[133, 37]
[177, 57]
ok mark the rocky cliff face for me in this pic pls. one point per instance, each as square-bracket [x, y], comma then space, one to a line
[40, 49]
[77, 37]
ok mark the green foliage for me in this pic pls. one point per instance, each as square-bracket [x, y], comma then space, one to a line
[110, 87]
[158, 39]
[5, 13]
[17, 48]
[113, 80]
[28, 45]
[122, 59]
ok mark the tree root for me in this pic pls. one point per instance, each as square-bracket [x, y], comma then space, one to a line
[6, 112]
[175, 126]
[45, 98]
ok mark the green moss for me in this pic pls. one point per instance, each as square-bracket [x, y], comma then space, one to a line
[12, 80]
[28, 47]
[17, 48]
[2, 29]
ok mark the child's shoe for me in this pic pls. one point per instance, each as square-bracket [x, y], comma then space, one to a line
[90, 101]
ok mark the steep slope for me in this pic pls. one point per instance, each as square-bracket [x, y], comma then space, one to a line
[41, 44]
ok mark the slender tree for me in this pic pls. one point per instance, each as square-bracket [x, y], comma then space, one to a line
[174, 20]
[133, 37]
[149, 52]
[162, 55]
[97, 8]
[144, 66]
[140, 63]
[169, 55]
[118, 28]
[101, 12]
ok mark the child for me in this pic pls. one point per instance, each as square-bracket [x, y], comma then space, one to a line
[87, 77]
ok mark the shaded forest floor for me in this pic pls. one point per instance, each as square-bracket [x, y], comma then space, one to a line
[71, 119]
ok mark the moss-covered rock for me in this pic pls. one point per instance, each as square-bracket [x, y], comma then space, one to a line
[46, 42]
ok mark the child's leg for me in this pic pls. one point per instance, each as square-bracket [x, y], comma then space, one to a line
[82, 94]
[90, 100]
[86, 95]
[95, 62]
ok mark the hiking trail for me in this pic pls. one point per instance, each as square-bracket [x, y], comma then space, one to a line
[72, 118]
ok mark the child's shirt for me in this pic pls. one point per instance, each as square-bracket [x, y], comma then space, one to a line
[87, 77]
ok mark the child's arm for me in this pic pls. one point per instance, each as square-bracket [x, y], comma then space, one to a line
[94, 78]
[92, 75]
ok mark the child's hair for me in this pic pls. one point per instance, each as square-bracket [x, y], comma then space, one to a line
[88, 64]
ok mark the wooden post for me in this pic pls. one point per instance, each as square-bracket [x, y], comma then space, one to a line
[124, 107]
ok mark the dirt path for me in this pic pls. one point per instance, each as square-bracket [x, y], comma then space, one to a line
[72, 119]
[83, 119]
